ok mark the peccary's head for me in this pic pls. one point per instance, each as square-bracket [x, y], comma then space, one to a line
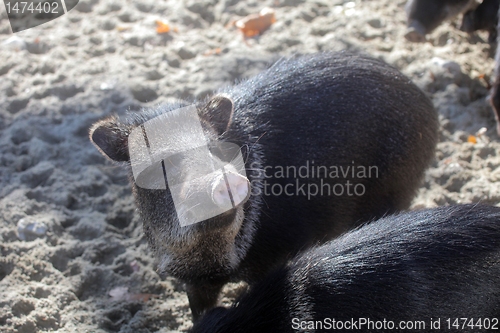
[188, 180]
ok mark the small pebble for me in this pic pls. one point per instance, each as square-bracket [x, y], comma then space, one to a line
[30, 230]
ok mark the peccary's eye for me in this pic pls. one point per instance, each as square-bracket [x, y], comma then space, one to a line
[173, 169]
[223, 151]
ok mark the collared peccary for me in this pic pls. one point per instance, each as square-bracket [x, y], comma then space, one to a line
[484, 17]
[426, 15]
[414, 269]
[328, 140]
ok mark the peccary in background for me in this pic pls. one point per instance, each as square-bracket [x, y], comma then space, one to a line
[426, 15]
[495, 89]
[484, 17]
[342, 112]
[427, 266]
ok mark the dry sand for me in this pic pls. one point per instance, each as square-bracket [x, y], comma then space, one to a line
[105, 57]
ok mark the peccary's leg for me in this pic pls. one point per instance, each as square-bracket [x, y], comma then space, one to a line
[495, 89]
[483, 17]
[492, 37]
[202, 297]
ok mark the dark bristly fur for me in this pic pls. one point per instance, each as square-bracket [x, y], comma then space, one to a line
[431, 264]
[336, 109]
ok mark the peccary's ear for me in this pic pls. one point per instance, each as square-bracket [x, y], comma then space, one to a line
[219, 112]
[111, 139]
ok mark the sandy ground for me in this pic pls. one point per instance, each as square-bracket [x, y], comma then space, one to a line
[105, 57]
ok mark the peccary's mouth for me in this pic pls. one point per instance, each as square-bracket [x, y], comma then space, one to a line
[208, 246]
[221, 221]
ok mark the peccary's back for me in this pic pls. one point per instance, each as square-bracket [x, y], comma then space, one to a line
[342, 112]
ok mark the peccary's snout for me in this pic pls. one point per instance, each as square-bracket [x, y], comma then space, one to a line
[230, 188]
[211, 197]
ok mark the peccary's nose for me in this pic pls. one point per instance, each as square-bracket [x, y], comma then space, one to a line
[230, 188]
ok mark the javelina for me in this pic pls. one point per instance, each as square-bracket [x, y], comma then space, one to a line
[484, 17]
[328, 140]
[416, 269]
[426, 15]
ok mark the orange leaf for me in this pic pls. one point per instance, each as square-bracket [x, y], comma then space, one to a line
[140, 297]
[162, 27]
[472, 139]
[255, 24]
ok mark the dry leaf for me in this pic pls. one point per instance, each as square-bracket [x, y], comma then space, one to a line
[162, 27]
[121, 293]
[472, 139]
[213, 51]
[486, 79]
[255, 24]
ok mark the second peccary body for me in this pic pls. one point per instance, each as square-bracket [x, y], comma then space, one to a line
[484, 17]
[426, 15]
[325, 110]
[417, 268]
